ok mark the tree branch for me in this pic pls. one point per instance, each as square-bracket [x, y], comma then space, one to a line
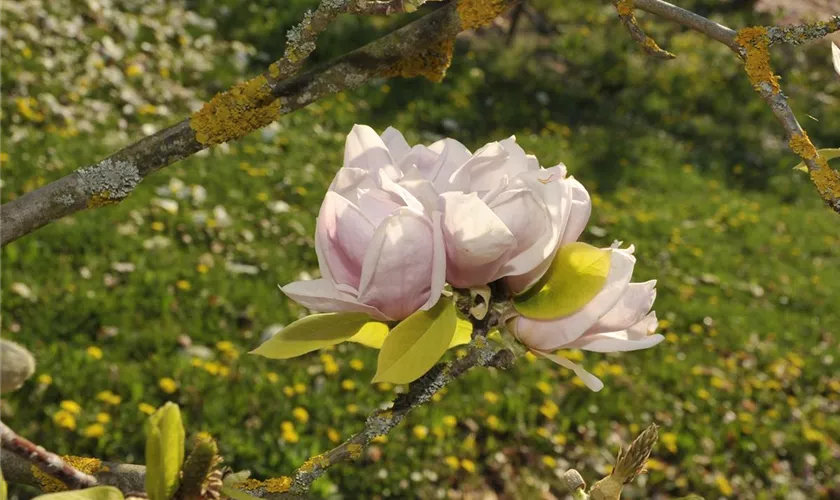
[49, 463]
[248, 107]
[628, 19]
[752, 46]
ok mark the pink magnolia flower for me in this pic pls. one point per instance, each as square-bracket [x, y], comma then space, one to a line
[503, 215]
[380, 249]
[618, 318]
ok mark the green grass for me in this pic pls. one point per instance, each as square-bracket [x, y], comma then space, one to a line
[745, 388]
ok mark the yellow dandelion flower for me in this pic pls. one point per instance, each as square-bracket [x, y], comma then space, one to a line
[330, 368]
[559, 439]
[703, 394]
[669, 439]
[71, 406]
[450, 421]
[492, 422]
[224, 371]
[549, 461]
[333, 435]
[382, 439]
[289, 391]
[103, 418]
[65, 420]
[468, 465]
[225, 345]
[543, 432]
[300, 388]
[133, 70]
[724, 486]
[348, 385]
[157, 226]
[272, 377]
[352, 408]
[544, 387]
[183, 285]
[45, 379]
[549, 409]
[452, 462]
[212, 367]
[167, 385]
[109, 397]
[531, 357]
[420, 431]
[491, 397]
[94, 431]
[262, 196]
[384, 386]
[438, 432]
[146, 408]
[290, 436]
[357, 364]
[196, 362]
[94, 352]
[301, 415]
[202, 268]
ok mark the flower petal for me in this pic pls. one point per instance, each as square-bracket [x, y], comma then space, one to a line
[551, 188]
[452, 155]
[554, 334]
[580, 211]
[615, 342]
[344, 233]
[633, 305]
[438, 262]
[320, 295]
[487, 159]
[396, 144]
[591, 381]
[398, 268]
[365, 149]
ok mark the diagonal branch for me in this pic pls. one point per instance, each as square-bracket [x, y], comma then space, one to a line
[752, 46]
[45, 461]
[423, 47]
[624, 8]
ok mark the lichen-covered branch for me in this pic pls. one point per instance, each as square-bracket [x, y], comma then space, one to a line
[245, 108]
[628, 19]
[752, 46]
[43, 461]
[126, 477]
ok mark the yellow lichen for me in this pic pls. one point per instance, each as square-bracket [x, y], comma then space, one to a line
[431, 63]
[355, 450]
[624, 7]
[316, 461]
[478, 13]
[236, 113]
[274, 485]
[826, 179]
[101, 199]
[50, 484]
[651, 45]
[757, 59]
[274, 70]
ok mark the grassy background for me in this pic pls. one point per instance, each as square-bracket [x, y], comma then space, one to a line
[683, 161]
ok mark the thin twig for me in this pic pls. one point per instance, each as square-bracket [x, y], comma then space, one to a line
[628, 19]
[48, 462]
[752, 45]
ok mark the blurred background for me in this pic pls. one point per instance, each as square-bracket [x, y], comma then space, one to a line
[159, 298]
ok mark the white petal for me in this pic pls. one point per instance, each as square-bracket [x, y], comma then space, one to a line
[453, 154]
[591, 381]
[438, 262]
[835, 55]
[391, 186]
[615, 342]
[633, 305]
[344, 233]
[474, 234]
[320, 295]
[581, 209]
[365, 149]
[491, 156]
[396, 144]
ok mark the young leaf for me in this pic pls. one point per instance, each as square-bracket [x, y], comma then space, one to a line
[577, 274]
[416, 344]
[827, 153]
[164, 452]
[95, 493]
[314, 332]
[463, 333]
[371, 335]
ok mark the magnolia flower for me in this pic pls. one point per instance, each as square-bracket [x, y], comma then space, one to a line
[602, 310]
[380, 249]
[503, 215]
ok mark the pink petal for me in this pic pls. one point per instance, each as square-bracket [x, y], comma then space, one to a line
[438, 262]
[487, 159]
[581, 209]
[555, 334]
[365, 149]
[554, 192]
[343, 233]
[633, 305]
[398, 267]
[615, 342]
[452, 155]
[321, 296]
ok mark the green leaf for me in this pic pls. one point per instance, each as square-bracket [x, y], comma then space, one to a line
[237, 494]
[164, 452]
[827, 153]
[416, 344]
[4, 490]
[314, 332]
[577, 274]
[371, 335]
[463, 333]
[95, 493]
